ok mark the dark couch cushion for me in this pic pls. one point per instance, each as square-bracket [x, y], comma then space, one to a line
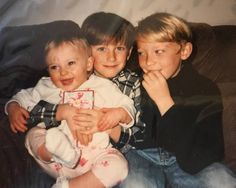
[18, 168]
[21, 55]
[215, 51]
[21, 65]
[214, 56]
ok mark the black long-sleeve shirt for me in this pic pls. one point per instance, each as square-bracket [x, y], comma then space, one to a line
[192, 128]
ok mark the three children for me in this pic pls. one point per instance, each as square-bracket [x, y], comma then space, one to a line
[182, 140]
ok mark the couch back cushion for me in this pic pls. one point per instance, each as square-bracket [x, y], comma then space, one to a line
[21, 55]
[214, 56]
[215, 51]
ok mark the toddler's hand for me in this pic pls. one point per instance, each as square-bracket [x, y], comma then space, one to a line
[86, 120]
[84, 139]
[67, 112]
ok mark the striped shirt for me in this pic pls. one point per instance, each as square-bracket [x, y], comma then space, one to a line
[129, 84]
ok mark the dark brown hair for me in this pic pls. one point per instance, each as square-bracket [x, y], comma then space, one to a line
[102, 27]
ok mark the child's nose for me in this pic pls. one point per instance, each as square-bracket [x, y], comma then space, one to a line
[112, 56]
[63, 71]
[149, 60]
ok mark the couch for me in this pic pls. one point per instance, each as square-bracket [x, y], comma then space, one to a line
[21, 49]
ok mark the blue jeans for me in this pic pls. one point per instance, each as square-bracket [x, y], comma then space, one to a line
[142, 173]
[151, 168]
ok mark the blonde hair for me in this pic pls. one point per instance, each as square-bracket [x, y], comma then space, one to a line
[80, 43]
[164, 27]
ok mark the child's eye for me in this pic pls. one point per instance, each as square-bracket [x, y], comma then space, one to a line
[101, 49]
[140, 53]
[120, 48]
[159, 51]
[71, 63]
[53, 68]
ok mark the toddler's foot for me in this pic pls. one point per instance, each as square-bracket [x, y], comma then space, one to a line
[58, 144]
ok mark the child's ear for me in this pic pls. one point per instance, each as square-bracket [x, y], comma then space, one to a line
[90, 63]
[130, 51]
[186, 50]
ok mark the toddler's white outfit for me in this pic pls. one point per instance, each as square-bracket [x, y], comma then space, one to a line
[71, 159]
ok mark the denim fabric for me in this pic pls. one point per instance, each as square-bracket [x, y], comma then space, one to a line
[151, 168]
[142, 173]
[158, 156]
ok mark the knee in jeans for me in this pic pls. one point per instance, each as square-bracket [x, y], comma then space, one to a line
[217, 175]
[217, 168]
